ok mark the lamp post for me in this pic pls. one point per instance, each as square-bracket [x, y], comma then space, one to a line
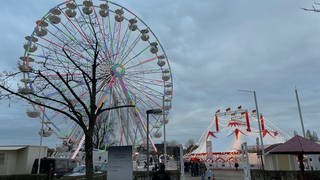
[300, 114]
[164, 134]
[150, 111]
[260, 131]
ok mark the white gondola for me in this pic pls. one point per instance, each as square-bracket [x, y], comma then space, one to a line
[161, 62]
[30, 47]
[153, 47]
[25, 90]
[87, 3]
[165, 77]
[71, 5]
[41, 23]
[133, 27]
[26, 59]
[41, 31]
[87, 10]
[24, 68]
[118, 18]
[133, 21]
[104, 6]
[119, 15]
[32, 113]
[55, 11]
[168, 92]
[157, 134]
[133, 24]
[31, 38]
[167, 100]
[71, 13]
[104, 13]
[168, 85]
[144, 34]
[54, 19]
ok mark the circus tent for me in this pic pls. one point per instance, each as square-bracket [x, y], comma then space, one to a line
[229, 129]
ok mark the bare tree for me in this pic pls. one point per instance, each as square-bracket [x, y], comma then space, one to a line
[64, 81]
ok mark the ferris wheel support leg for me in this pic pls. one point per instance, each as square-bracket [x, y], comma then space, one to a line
[79, 146]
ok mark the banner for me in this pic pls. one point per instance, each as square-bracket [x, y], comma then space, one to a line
[120, 163]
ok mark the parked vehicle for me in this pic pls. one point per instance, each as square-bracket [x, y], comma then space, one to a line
[81, 170]
[54, 166]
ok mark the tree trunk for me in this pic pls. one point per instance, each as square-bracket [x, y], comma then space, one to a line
[89, 155]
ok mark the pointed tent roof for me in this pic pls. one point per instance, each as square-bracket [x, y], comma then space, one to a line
[297, 145]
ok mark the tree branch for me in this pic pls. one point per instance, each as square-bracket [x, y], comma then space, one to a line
[79, 117]
[111, 108]
[74, 94]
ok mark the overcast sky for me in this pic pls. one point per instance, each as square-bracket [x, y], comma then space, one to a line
[215, 48]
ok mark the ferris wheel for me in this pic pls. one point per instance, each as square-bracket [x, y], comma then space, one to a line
[133, 69]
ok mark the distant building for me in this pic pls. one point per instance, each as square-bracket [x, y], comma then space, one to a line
[19, 159]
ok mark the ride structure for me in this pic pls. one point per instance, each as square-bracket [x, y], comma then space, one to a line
[221, 142]
[133, 69]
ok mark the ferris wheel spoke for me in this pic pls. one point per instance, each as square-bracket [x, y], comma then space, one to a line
[145, 82]
[125, 90]
[136, 55]
[123, 44]
[146, 94]
[118, 40]
[71, 37]
[74, 51]
[113, 38]
[67, 49]
[143, 86]
[143, 62]
[127, 52]
[144, 72]
[94, 34]
[154, 81]
[81, 31]
[103, 35]
[147, 87]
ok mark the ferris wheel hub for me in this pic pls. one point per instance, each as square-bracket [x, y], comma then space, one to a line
[118, 70]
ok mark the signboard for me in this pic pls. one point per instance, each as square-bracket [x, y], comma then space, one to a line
[209, 149]
[120, 163]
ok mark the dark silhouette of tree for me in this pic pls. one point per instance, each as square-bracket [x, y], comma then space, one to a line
[63, 81]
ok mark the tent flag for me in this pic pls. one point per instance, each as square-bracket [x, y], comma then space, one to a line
[210, 133]
[247, 121]
[217, 123]
[237, 132]
[262, 122]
